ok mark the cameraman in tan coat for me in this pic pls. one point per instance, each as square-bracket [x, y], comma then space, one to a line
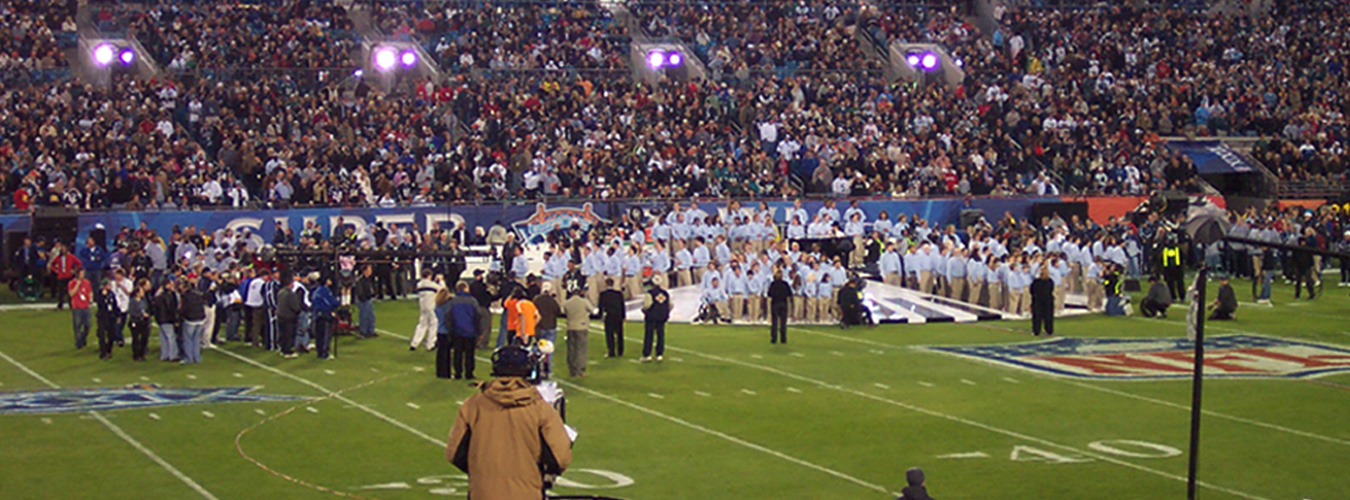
[506, 438]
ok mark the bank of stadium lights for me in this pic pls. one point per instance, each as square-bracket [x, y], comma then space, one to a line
[105, 54]
[927, 61]
[658, 59]
[388, 58]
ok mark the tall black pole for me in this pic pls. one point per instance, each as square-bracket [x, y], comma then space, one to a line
[1197, 380]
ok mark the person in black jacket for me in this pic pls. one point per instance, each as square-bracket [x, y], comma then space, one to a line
[850, 304]
[780, 292]
[165, 309]
[1225, 303]
[192, 308]
[364, 292]
[107, 320]
[1043, 303]
[917, 489]
[613, 310]
[655, 313]
[289, 306]
[478, 288]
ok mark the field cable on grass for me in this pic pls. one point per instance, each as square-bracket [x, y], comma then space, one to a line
[239, 446]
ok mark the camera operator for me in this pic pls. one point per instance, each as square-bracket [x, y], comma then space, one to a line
[506, 438]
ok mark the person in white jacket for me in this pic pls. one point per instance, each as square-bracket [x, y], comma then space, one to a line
[426, 305]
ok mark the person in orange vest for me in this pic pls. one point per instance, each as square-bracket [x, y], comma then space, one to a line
[63, 266]
[81, 294]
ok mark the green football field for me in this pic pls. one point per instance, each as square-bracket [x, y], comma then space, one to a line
[834, 414]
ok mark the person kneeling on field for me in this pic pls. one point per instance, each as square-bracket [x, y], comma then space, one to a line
[1158, 299]
[1225, 303]
[506, 438]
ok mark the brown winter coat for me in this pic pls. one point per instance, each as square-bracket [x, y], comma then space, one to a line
[504, 437]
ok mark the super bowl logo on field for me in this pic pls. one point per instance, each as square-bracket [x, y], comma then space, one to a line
[545, 220]
[1246, 356]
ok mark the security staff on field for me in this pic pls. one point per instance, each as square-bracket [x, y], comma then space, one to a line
[780, 292]
[1171, 266]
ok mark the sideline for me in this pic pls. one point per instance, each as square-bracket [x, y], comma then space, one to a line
[700, 428]
[122, 434]
[1075, 383]
[960, 420]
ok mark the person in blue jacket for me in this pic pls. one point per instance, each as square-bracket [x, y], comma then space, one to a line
[93, 258]
[323, 304]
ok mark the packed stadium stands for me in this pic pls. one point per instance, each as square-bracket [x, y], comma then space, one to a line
[540, 100]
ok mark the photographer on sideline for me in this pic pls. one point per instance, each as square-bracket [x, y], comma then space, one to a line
[506, 438]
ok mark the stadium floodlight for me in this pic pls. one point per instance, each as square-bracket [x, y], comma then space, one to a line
[912, 60]
[408, 58]
[385, 58]
[929, 61]
[656, 59]
[104, 54]
[127, 56]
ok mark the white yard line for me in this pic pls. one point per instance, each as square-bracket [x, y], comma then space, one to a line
[327, 391]
[122, 434]
[963, 421]
[727, 437]
[1225, 416]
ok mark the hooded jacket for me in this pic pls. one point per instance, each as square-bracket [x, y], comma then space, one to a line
[505, 438]
[914, 493]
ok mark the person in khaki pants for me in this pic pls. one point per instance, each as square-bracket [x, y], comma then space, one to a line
[825, 300]
[891, 266]
[684, 261]
[1092, 278]
[578, 311]
[737, 288]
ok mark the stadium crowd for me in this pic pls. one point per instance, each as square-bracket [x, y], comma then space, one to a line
[30, 28]
[1052, 104]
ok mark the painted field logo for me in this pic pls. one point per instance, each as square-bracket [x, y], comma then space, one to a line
[544, 220]
[1225, 356]
[136, 396]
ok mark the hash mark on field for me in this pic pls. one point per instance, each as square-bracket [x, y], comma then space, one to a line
[413, 405]
[794, 390]
[46, 420]
[925, 384]
[836, 353]
[259, 411]
[208, 414]
[968, 381]
[191, 377]
[677, 360]
[704, 394]
[592, 363]
[876, 351]
[1011, 380]
[881, 385]
[98, 380]
[418, 369]
[311, 409]
[974, 454]
[748, 391]
[374, 369]
[654, 395]
[153, 416]
[238, 375]
[143, 379]
[797, 354]
[330, 372]
[757, 356]
[459, 403]
[634, 361]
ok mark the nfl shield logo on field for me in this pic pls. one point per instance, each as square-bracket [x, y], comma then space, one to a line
[1248, 356]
